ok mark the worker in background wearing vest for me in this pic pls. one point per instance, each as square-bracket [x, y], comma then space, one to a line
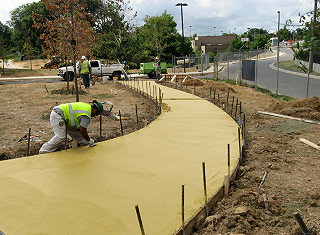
[85, 71]
[73, 118]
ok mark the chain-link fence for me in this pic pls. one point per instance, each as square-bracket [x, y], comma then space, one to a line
[192, 63]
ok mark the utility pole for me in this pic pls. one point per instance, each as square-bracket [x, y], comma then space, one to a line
[313, 32]
[182, 5]
[278, 49]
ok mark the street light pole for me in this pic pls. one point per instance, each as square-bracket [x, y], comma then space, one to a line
[278, 49]
[214, 31]
[182, 5]
[190, 32]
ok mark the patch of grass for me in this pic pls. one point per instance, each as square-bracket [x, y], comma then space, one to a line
[291, 66]
[281, 97]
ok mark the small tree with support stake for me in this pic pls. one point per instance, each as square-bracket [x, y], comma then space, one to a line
[67, 32]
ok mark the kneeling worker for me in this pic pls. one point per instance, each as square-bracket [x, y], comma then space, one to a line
[77, 117]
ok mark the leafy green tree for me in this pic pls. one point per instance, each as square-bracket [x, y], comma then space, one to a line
[6, 44]
[114, 31]
[159, 37]
[284, 34]
[23, 25]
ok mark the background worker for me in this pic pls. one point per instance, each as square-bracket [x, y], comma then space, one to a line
[157, 65]
[77, 117]
[85, 71]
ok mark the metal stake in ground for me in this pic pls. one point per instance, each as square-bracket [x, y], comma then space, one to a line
[239, 142]
[29, 136]
[214, 96]
[210, 92]
[205, 187]
[232, 106]
[301, 223]
[182, 209]
[235, 114]
[140, 220]
[46, 88]
[229, 159]
[120, 122]
[227, 102]
[240, 110]
[100, 125]
[244, 127]
[137, 114]
[66, 136]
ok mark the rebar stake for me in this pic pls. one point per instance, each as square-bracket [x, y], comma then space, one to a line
[229, 159]
[100, 125]
[137, 119]
[301, 223]
[120, 123]
[140, 220]
[29, 136]
[182, 208]
[205, 188]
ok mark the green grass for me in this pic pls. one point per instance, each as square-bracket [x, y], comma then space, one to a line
[105, 95]
[291, 66]
[16, 72]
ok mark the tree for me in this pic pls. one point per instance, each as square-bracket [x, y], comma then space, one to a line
[67, 32]
[114, 30]
[159, 37]
[23, 25]
[28, 50]
[6, 44]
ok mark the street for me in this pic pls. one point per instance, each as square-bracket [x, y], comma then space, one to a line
[289, 84]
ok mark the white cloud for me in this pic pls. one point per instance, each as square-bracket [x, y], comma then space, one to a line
[8, 6]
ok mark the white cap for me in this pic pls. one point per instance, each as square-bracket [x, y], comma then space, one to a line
[83, 57]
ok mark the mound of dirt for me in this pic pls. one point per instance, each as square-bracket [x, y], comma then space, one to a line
[219, 86]
[194, 82]
[308, 108]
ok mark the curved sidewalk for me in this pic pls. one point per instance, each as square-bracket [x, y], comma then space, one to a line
[94, 190]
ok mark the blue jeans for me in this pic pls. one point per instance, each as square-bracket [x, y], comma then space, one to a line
[86, 79]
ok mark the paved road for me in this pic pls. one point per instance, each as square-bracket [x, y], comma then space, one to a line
[289, 84]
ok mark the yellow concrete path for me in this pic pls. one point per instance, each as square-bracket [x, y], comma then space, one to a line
[94, 190]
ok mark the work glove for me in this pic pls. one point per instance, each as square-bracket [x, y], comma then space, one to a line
[91, 142]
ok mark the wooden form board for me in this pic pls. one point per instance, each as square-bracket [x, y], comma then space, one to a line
[313, 145]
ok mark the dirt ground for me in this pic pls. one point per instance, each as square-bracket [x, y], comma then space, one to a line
[27, 106]
[272, 145]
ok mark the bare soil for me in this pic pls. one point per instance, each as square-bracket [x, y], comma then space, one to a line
[272, 145]
[27, 106]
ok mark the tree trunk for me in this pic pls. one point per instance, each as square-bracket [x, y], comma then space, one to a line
[67, 76]
[75, 74]
[30, 62]
[3, 66]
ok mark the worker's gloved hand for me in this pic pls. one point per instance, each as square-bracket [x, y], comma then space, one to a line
[91, 142]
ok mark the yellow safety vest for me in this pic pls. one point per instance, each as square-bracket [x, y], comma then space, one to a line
[72, 111]
[85, 67]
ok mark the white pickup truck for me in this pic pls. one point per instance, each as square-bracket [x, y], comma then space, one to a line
[97, 69]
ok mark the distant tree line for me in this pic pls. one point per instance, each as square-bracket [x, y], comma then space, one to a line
[34, 29]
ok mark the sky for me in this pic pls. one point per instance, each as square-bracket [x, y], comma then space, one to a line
[233, 16]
